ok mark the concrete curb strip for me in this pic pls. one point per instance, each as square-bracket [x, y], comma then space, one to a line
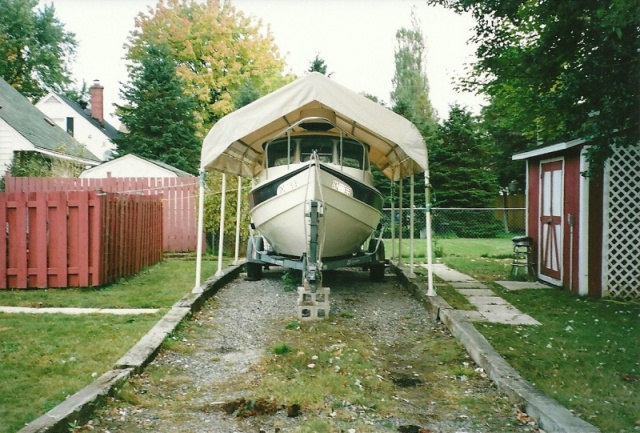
[145, 349]
[80, 406]
[551, 415]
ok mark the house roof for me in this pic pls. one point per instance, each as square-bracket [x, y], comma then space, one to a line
[545, 150]
[234, 144]
[37, 128]
[175, 170]
[124, 158]
[107, 129]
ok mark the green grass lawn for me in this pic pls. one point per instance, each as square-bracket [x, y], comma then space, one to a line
[586, 354]
[46, 357]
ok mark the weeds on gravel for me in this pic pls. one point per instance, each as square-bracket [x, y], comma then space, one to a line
[281, 349]
[341, 378]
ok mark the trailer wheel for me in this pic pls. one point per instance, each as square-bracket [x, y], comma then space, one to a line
[376, 270]
[254, 270]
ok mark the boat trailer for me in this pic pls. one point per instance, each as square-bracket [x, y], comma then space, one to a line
[313, 299]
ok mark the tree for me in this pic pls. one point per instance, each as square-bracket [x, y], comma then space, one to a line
[35, 50]
[217, 49]
[158, 115]
[555, 70]
[318, 65]
[461, 165]
[410, 98]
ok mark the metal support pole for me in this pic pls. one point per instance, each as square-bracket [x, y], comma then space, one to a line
[200, 229]
[427, 192]
[238, 212]
[400, 226]
[411, 233]
[223, 202]
[393, 224]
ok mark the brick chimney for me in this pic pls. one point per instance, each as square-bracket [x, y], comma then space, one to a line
[97, 105]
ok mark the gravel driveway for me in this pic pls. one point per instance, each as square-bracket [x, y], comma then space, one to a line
[214, 360]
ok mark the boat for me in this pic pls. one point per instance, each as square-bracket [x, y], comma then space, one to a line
[309, 148]
[329, 168]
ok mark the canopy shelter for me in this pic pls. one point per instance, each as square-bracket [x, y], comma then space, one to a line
[235, 144]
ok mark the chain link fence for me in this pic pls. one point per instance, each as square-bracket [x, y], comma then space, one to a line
[454, 222]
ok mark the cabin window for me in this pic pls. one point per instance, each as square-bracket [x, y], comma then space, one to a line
[322, 145]
[353, 155]
[280, 152]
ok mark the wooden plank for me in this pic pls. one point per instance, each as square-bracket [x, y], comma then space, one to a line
[167, 221]
[17, 219]
[3, 243]
[40, 240]
[95, 238]
[83, 237]
[57, 246]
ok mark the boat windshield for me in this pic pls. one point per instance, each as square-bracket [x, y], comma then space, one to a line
[323, 146]
[278, 153]
[330, 150]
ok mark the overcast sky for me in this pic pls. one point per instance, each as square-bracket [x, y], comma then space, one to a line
[356, 38]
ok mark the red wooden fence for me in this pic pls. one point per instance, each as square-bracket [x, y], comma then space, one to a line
[179, 199]
[76, 238]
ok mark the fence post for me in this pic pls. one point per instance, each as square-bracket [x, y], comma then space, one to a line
[3, 244]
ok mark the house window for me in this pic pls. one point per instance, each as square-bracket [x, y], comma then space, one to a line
[70, 126]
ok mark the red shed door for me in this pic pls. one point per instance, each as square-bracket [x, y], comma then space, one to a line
[550, 246]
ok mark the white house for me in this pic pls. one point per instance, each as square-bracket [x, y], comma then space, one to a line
[24, 128]
[87, 125]
[133, 166]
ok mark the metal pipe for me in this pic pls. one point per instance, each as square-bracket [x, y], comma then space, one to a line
[427, 193]
[200, 229]
[411, 234]
[400, 225]
[238, 212]
[221, 235]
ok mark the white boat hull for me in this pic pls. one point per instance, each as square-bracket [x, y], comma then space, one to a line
[346, 222]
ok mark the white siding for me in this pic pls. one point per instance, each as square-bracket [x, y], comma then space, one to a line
[10, 141]
[83, 130]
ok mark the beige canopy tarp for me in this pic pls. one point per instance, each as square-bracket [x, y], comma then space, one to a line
[235, 143]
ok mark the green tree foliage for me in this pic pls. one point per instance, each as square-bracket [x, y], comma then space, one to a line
[462, 162]
[34, 48]
[80, 95]
[213, 202]
[410, 98]
[462, 172]
[219, 52]
[35, 164]
[158, 115]
[555, 70]
[318, 65]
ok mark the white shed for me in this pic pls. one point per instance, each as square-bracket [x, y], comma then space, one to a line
[133, 166]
